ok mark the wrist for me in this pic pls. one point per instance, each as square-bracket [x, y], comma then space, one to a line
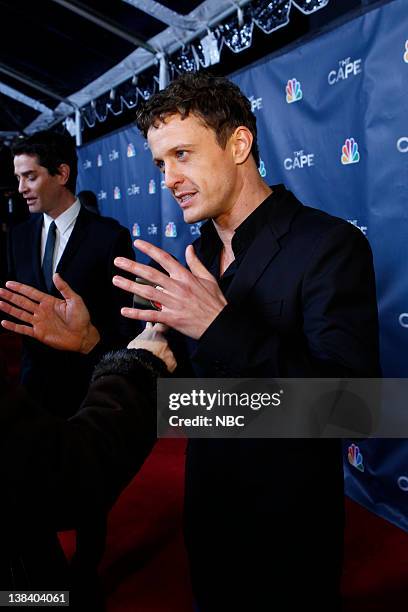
[90, 340]
[206, 324]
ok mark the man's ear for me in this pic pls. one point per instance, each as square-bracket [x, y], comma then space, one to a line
[63, 172]
[241, 141]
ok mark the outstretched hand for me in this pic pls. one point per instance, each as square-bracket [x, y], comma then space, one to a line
[61, 324]
[190, 301]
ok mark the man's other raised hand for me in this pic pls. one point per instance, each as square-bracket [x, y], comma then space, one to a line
[62, 324]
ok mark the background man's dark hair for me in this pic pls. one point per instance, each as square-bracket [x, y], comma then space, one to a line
[217, 101]
[51, 149]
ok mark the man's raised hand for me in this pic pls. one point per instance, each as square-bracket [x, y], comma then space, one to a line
[61, 324]
[190, 300]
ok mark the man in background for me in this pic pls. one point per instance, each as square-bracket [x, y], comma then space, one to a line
[62, 236]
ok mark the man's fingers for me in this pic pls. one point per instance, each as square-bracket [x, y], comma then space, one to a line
[17, 313]
[167, 261]
[63, 287]
[146, 291]
[128, 285]
[195, 265]
[152, 316]
[145, 272]
[30, 292]
[25, 330]
[18, 300]
[125, 264]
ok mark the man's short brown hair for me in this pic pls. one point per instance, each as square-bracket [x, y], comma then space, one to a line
[218, 102]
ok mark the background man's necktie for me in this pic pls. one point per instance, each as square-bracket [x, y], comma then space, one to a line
[49, 256]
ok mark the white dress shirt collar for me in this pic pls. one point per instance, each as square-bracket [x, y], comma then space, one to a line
[64, 220]
[65, 224]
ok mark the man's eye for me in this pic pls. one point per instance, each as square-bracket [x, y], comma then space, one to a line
[181, 154]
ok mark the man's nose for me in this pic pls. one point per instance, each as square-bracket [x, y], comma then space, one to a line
[172, 177]
[22, 187]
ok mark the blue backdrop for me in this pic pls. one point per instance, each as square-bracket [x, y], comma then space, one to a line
[332, 120]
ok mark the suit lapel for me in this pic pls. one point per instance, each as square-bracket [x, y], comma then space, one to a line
[263, 249]
[266, 245]
[75, 240]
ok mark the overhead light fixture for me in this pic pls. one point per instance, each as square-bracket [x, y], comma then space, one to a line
[269, 17]
[185, 60]
[237, 32]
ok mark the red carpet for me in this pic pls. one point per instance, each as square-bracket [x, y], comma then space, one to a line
[145, 567]
[376, 563]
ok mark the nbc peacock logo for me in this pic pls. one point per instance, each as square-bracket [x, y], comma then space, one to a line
[293, 91]
[171, 230]
[406, 52]
[350, 153]
[355, 458]
[130, 150]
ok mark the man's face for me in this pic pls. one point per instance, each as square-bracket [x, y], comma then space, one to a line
[41, 191]
[201, 175]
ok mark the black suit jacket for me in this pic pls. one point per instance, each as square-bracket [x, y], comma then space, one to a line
[59, 379]
[302, 303]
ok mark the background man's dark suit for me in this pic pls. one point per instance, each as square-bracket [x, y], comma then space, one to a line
[58, 380]
[264, 518]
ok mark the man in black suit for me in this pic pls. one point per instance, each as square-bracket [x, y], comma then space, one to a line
[277, 289]
[64, 237]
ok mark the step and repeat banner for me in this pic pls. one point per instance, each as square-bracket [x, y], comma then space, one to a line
[332, 121]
